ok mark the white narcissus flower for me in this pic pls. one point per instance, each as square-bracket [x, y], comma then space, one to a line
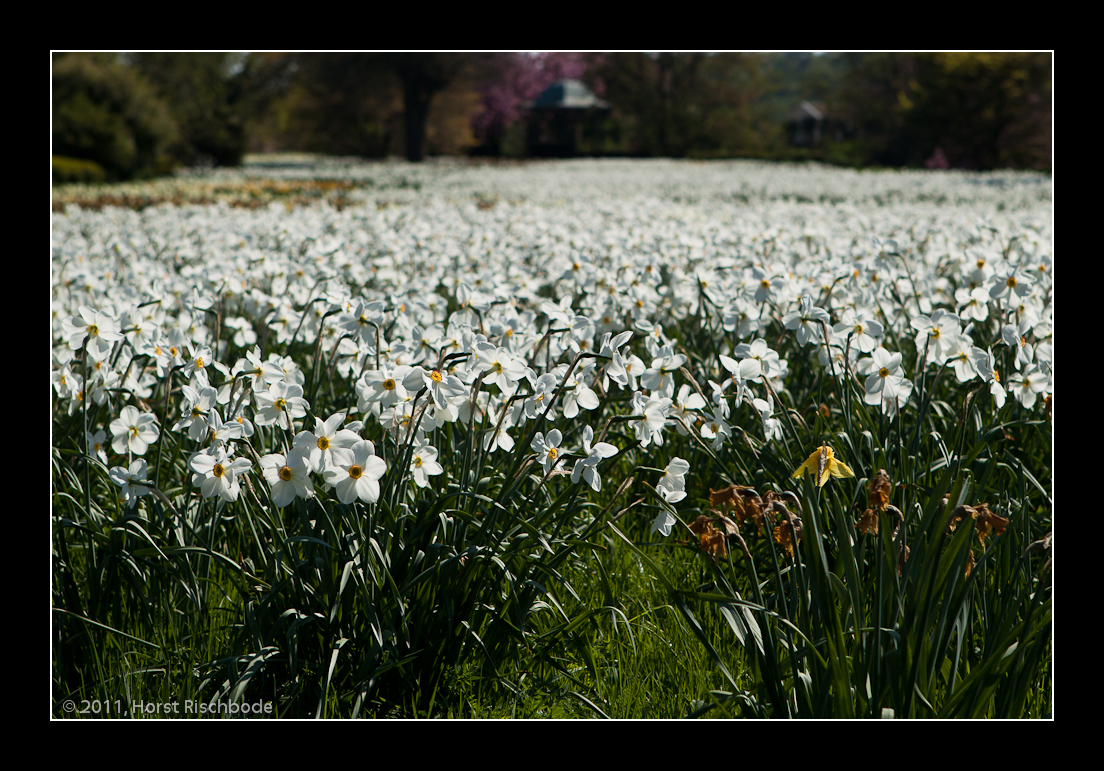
[543, 396]
[651, 418]
[383, 387]
[986, 368]
[326, 437]
[548, 449]
[95, 444]
[936, 334]
[289, 476]
[101, 330]
[1015, 336]
[1028, 386]
[133, 431]
[660, 378]
[363, 321]
[587, 467]
[441, 385]
[499, 367]
[578, 393]
[672, 485]
[423, 463]
[663, 523]
[130, 481]
[973, 304]
[884, 380]
[623, 370]
[767, 357]
[862, 331]
[958, 356]
[715, 427]
[1012, 282]
[684, 403]
[201, 358]
[219, 432]
[283, 401]
[217, 474]
[355, 472]
[497, 436]
[742, 372]
[198, 402]
[807, 321]
[772, 426]
[611, 342]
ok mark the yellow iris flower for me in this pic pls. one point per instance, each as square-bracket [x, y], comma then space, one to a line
[823, 464]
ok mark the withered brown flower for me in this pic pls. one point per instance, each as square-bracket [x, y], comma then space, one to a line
[743, 501]
[712, 543]
[700, 524]
[880, 490]
[988, 521]
[868, 523]
[960, 513]
[788, 531]
[783, 534]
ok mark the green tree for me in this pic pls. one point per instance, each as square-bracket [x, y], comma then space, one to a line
[678, 104]
[200, 91]
[344, 104]
[423, 76]
[367, 104]
[108, 113]
[984, 110]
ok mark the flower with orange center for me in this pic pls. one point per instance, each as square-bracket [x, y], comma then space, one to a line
[355, 473]
[282, 403]
[327, 436]
[441, 385]
[885, 380]
[548, 449]
[217, 474]
[289, 476]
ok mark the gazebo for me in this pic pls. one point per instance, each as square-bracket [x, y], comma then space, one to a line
[556, 118]
[806, 125]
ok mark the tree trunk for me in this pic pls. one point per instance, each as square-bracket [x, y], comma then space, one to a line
[422, 76]
[416, 99]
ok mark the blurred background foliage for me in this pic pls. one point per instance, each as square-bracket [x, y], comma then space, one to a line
[120, 116]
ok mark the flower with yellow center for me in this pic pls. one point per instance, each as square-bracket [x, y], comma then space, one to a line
[280, 404]
[441, 386]
[329, 435]
[547, 449]
[885, 381]
[288, 475]
[100, 330]
[423, 463]
[823, 464]
[355, 473]
[217, 474]
[133, 431]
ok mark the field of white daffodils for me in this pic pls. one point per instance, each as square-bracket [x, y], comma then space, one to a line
[486, 440]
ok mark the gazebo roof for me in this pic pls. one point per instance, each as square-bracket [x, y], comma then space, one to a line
[807, 110]
[569, 94]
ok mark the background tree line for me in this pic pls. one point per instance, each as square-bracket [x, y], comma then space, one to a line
[143, 114]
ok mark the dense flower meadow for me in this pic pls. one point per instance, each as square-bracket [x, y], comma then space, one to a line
[548, 317]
